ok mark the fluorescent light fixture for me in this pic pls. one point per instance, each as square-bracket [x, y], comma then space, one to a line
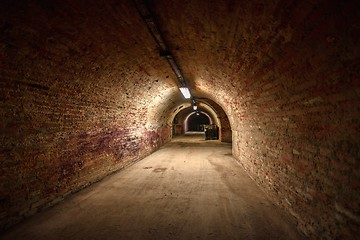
[185, 91]
[195, 107]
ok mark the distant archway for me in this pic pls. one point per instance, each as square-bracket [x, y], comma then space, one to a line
[195, 122]
[181, 114]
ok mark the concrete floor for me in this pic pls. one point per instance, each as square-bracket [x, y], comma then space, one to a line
[189, 189]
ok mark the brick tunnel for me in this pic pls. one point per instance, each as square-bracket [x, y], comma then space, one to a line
[89, 88]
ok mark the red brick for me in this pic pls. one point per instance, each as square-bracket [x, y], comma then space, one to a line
[83, 97]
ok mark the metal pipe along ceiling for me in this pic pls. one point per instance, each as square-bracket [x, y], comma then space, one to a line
[154, 30]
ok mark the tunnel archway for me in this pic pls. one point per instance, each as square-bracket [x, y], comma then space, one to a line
[215, 113]
[195, 121]
[85, 91]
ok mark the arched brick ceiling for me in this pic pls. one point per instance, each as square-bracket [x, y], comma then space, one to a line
[84, 91]
[233, 51]
[92, 53]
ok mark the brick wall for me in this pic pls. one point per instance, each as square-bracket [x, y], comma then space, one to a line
[84, 92]
[297, 125]
[287, 75]
[76, 96]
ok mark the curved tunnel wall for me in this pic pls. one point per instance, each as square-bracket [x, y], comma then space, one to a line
[286, 74]
[82, 96]
[84, 92]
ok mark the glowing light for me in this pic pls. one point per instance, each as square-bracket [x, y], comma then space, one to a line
[185, 91]
[195, 107]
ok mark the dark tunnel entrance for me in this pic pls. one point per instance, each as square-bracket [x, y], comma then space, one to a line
[197, 121]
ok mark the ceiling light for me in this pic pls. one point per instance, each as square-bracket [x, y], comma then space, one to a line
[185, 91]
[195, 107]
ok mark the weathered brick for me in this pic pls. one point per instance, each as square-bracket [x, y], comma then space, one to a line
[85, 96]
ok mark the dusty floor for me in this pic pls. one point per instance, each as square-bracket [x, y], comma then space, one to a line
[189, 189]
